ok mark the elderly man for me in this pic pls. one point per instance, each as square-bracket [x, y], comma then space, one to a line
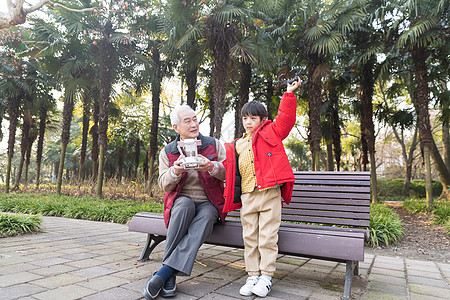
[192, 204]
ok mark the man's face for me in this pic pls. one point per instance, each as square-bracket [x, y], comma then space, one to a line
[188, 128]
[251, 123]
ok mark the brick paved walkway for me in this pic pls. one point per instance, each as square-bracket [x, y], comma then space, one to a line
[77, 259]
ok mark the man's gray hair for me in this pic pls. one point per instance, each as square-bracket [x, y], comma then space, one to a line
[174, 117]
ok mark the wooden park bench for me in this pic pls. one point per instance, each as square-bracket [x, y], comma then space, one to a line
[328, 219]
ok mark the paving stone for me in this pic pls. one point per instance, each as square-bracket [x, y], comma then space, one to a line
[52, 270]
[196, 287]
[116, 293]
[10, 269]
[68, 292]
[50, 261]
[389, 266]
[19, 291]
[93, 272]
[215, 296]
[377, 295]
[434, 275]
[428, 281]
[414, 296]
[16, 278]
[390, 279]
[387, 287]
[57, 281]
[429, 290]
[85, 263]
[103, 283]
[387, 272]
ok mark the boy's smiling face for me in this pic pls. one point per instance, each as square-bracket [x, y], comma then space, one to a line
[251, 123]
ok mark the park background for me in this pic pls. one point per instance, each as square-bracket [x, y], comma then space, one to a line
[87, 88]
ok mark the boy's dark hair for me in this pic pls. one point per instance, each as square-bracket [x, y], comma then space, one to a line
[254, 108]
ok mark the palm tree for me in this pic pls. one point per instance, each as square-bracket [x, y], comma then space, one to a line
[322, 30]
[422, 26]
[13, 88]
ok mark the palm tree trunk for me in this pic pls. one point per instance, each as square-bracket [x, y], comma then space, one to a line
[65, 135]
[243, 96]
[336, 129]
[94, 150]
[13, 111]
[268, 99]
[330, 165]
[84, 134]
[219, 41]
[444, 174]
[101, 164]
[156, 93]
[420, 101]
[107, 61]
[365, 95]
[40, 146]
[446, 143]
[120, 153]
[137, 154]
[32, 138]
[191, 82]
[23, 146]
[314, 90]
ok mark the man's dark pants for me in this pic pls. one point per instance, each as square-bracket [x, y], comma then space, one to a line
[190, 224]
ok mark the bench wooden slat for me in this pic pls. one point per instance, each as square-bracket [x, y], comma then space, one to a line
[331, 214]
[330, 182]
[317, 220]
[333, 189]
[352, 202]
[332, 173]
[328, 195]
[319, 245]
[295, 206]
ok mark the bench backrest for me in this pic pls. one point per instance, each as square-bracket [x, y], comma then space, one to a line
[329, 198]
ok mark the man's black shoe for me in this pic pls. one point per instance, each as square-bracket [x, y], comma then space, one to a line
[170, 287]
[152, 287]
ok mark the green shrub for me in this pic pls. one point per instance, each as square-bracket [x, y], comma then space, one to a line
[416, 205]
[417, 188]
[447, 226]
[385, 226]
[441, 212]
[18, 224]
[390, 187]
[88, 208]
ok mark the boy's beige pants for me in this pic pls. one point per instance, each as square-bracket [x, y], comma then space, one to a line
[261, 217]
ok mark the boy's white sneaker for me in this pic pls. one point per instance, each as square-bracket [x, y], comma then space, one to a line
[246, 289]
[262, 287]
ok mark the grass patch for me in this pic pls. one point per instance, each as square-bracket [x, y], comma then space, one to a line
[87, 208]
[385, 226]
[11, 225]
[440, 210]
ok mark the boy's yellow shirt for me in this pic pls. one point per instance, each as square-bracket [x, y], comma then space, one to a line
[247, 164]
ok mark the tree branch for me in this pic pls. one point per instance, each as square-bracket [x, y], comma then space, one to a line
[17, 13]
[53, 4]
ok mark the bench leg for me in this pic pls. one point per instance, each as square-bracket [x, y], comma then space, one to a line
[351, 269]
[152, 242]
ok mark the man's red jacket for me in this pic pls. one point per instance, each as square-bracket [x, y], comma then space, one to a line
[271, 162]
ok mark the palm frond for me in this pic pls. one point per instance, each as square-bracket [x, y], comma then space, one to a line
[317, 31]
[328, 43]
[415, 32]
[227, 14]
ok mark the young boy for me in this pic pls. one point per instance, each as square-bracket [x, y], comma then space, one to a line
[258, 175]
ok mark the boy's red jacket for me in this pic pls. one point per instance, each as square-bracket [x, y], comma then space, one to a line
[271, 162]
